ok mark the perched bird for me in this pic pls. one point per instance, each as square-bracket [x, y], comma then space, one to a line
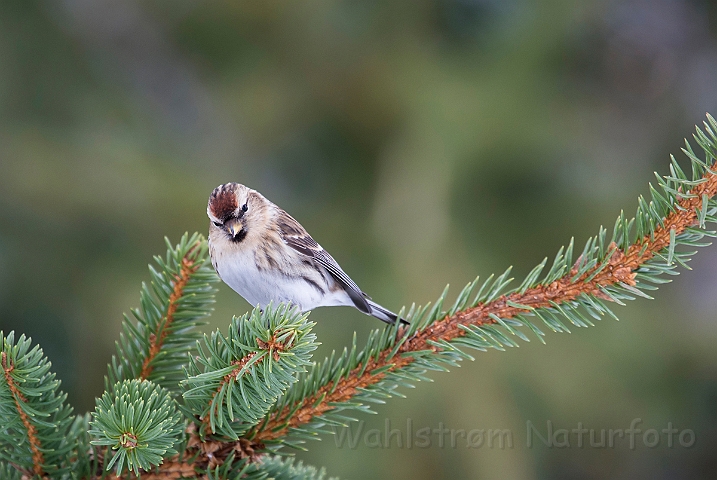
[265, 255]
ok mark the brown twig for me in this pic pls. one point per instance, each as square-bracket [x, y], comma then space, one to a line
[620, 268]
[156, 339]
[37, 458]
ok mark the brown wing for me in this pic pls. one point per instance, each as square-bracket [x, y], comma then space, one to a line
[298, 239]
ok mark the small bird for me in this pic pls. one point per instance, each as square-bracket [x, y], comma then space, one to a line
[265, 255]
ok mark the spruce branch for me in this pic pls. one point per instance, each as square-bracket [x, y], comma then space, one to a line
[159, 336]
[33, 414]
[237, 378]
[639, 252]
[155, 346]
[18, 397]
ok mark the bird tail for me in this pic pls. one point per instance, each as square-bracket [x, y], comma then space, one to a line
[383, 314]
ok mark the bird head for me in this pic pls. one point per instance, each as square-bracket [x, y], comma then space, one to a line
[228, 209]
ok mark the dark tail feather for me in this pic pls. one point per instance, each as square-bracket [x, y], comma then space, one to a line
[384, 315]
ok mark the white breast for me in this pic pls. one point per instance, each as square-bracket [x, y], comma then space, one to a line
[261, 286]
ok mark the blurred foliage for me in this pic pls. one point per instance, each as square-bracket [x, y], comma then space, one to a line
[422, 142]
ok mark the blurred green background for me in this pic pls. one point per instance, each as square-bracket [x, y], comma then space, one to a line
[422, 142]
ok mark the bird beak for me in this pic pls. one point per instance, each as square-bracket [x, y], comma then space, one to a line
[234, 226]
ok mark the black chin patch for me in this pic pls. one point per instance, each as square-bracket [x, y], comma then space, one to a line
[239, 236]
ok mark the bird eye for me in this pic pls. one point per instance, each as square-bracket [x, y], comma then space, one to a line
[218, 224]
[244, 208]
